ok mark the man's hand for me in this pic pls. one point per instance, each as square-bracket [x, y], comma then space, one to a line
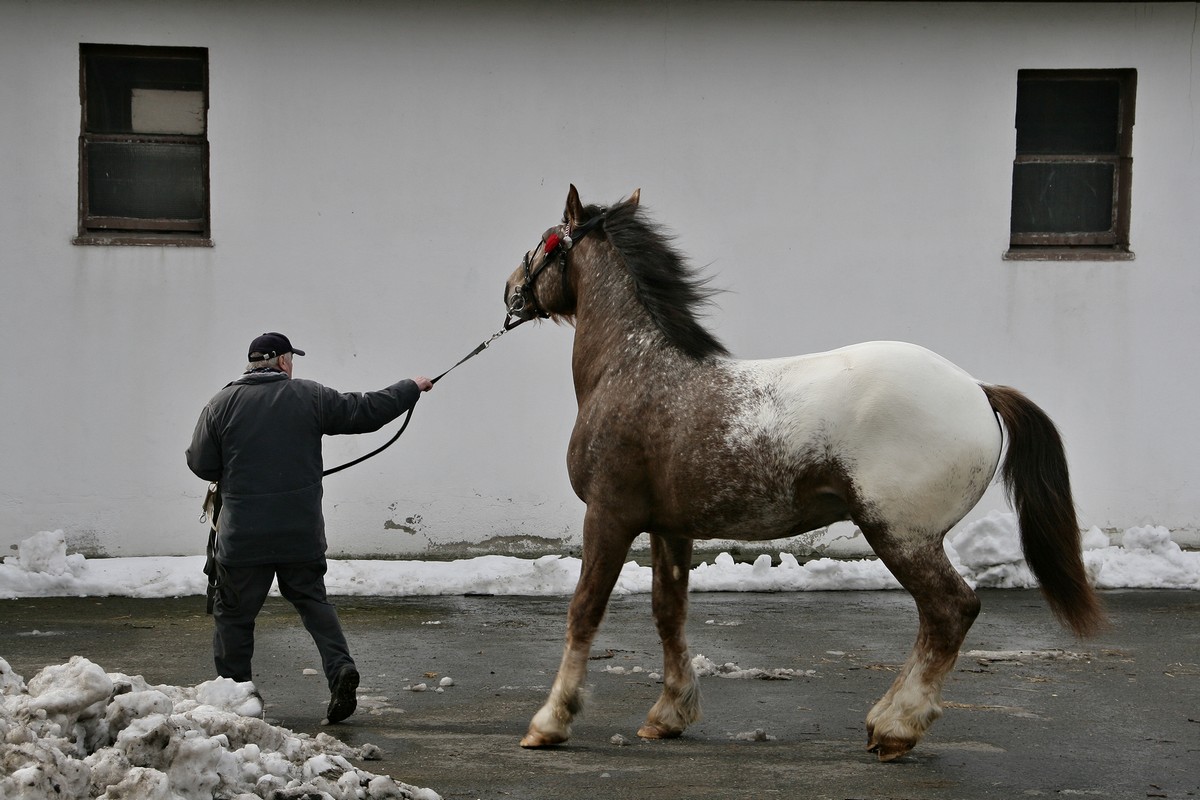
[423, 383]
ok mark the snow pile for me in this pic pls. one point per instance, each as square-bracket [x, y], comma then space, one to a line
[1145, 551]
[705, 667]
[42, 568]
[822, 574]
[75, 731]
[756, 735]
[987, 553]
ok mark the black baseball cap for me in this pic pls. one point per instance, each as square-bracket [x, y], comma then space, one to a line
[270, 345]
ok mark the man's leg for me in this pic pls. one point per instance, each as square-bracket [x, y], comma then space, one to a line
[240, 598]
[303, 585]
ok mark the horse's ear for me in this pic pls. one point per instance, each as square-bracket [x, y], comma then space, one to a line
[574, 210]
[635, 197]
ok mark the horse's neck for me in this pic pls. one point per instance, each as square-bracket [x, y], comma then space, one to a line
[615, 336]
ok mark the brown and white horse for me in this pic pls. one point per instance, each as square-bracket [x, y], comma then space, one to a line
[675, 438]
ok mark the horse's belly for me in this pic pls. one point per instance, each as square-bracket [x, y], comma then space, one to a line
[751, 498]
[755, 525]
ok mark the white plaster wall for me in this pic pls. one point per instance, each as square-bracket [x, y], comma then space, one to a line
[379, 167]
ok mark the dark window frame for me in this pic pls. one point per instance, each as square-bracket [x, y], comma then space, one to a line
[1097, 245]
[99, 229]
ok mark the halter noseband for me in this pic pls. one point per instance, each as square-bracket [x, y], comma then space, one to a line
[555, 245]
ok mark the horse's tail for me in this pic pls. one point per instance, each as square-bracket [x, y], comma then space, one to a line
[1035, 474]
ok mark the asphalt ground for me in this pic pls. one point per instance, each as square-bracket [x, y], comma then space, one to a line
[1037, 714]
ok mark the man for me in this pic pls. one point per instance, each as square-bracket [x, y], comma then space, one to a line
[259, 438]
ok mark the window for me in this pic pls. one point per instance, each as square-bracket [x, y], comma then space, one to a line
[143, 146]
[1071, 174]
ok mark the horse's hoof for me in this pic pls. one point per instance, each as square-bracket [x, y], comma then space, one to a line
[889, 748]
[651, 731]
[535, 739]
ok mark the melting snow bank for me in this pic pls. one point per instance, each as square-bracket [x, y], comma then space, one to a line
[987, 553]
[75, 731]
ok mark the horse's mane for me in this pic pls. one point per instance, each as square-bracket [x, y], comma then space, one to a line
[669, 289]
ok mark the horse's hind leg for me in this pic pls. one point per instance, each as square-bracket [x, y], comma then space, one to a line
[947, 607]
[679, 704]
[603, 556]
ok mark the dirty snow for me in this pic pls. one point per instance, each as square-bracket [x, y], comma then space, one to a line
[76, 731]
[986, 553]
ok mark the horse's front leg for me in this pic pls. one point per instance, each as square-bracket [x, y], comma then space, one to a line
[679, 704]
[605, 546]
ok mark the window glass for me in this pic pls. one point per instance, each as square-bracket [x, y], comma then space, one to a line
[1062, 197]
[146, 180]
[1067, 116]
[114, 81]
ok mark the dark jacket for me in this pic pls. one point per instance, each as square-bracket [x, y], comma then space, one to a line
[260, 439]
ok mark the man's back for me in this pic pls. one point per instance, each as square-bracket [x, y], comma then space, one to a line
[260, 438]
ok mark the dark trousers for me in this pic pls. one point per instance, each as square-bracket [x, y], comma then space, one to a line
[240, 598]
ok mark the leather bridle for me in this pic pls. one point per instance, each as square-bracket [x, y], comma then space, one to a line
[554, 250]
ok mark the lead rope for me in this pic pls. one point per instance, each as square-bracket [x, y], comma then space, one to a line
[212, 500]
[482, 346]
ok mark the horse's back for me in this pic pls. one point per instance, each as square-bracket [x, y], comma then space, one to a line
[912, 430]
[870, 384]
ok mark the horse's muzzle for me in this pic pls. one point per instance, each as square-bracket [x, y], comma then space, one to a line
[519, 308]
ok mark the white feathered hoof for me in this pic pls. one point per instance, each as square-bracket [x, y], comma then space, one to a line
[535, 738]
[889, 737]
[889, 748]
[546, 729]
[652, 730]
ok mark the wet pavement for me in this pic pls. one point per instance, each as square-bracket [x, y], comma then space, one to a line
[1029, 710]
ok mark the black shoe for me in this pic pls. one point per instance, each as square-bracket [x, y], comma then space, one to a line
[342, 697]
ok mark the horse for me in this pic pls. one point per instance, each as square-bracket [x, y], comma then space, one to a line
[675, 438]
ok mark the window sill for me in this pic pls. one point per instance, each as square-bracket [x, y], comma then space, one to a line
[142, 240]
[1067, 254]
